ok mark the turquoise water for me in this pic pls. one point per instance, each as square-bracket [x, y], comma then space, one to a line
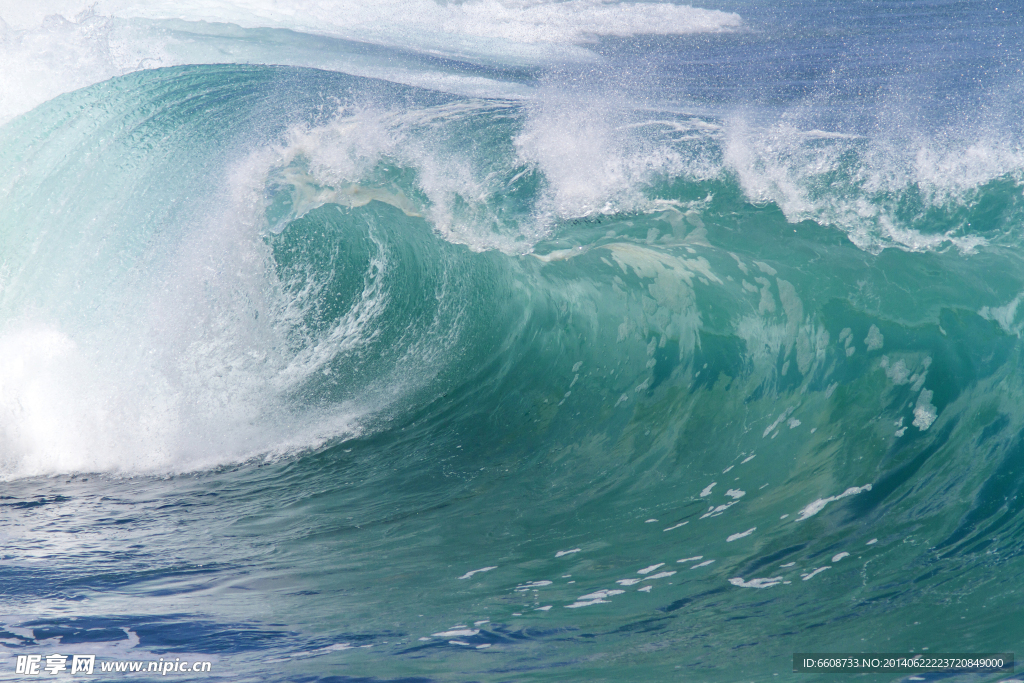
[660, 358]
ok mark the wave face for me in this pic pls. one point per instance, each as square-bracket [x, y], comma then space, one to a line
[525, 341]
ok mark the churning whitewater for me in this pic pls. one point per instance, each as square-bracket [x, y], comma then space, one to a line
[507, 341]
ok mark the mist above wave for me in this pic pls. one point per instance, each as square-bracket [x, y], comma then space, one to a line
[61, 45]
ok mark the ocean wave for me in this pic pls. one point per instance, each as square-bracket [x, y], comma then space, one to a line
[56, 47]
[250, 295]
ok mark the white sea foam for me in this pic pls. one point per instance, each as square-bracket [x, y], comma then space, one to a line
[756, 583]
[177, 378]
[785, 164]
[814, 573]
[593, 160]
[457, 632]
[600, 595]
[530, 585]
[585, 603]
[742, 534]
[476, 571]
[160, 389]
[819, 505]
[659, 575]
[924, 412]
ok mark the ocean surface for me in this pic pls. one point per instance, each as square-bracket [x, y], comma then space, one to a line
[510, 340]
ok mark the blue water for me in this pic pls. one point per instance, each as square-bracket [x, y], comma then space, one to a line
[529, 342]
